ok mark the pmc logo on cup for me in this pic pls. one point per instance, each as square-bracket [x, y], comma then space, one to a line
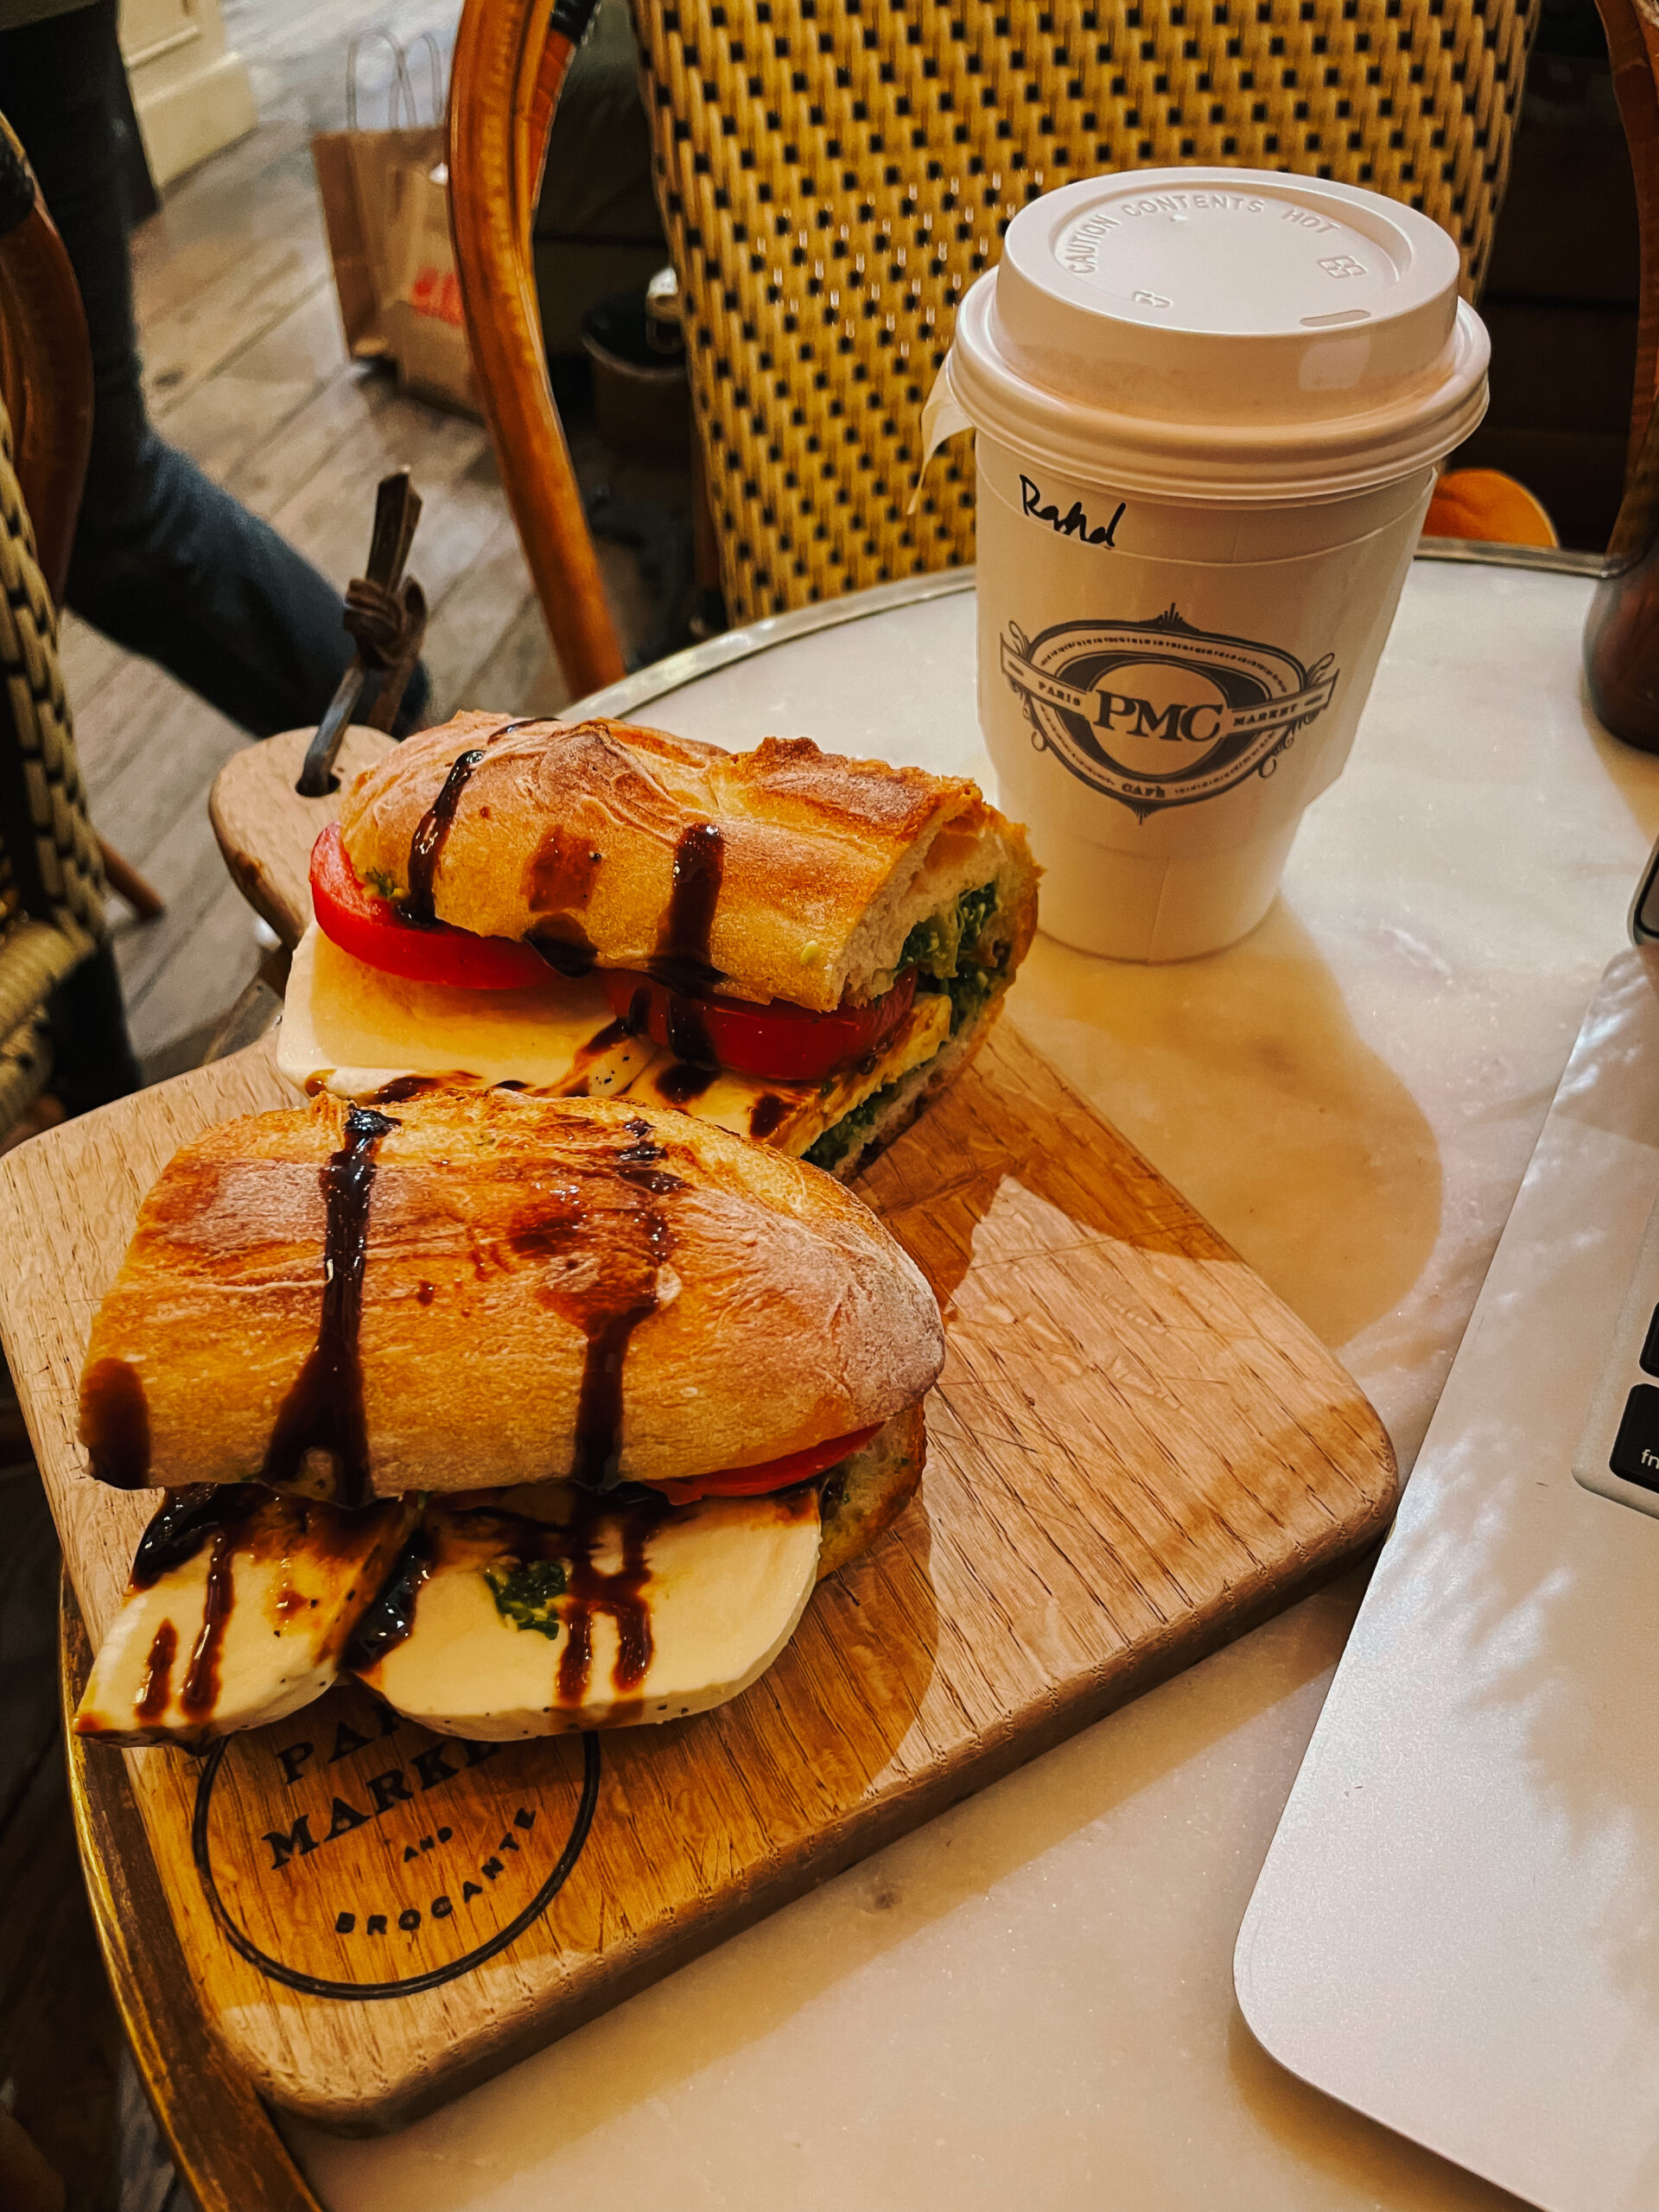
[1158, 713]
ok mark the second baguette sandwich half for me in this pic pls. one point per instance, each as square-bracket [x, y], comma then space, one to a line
[801, 948]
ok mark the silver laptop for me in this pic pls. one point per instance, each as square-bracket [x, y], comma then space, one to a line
[1457, 1927]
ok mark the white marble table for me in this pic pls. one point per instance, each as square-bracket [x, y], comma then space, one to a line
[1030, 2001]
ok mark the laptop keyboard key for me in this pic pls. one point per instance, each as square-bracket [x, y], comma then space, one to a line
[1635, 1448]
[1650, 1346]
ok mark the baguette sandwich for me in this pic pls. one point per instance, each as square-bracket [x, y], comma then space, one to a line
[534, 1414]
[799, 948]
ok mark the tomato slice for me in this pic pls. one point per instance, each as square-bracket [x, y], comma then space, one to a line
[784, 1042]
[372, 930]
[789, 1044]
[773, 1474]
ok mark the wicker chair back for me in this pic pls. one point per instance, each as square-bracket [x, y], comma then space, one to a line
[51, 875]
[834, 175]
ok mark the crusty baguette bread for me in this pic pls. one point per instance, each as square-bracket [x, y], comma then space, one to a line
[570, 829]
[746, 1305]
[868, 1494]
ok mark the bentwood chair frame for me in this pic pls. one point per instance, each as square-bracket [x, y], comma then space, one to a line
[509, 64]
[834, 173]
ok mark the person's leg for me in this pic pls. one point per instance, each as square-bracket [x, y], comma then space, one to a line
[165, 562]
[93, 1058]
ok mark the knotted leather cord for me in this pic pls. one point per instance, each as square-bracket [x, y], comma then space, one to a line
[377, 620]
[388, 628]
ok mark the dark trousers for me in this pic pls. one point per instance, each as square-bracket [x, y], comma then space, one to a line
[165, 562]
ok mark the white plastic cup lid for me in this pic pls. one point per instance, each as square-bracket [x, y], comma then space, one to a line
[1222, 332]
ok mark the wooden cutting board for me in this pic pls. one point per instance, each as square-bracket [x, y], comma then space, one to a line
[1135, 1453]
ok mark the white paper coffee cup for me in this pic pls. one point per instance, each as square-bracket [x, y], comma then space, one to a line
[1209, 403]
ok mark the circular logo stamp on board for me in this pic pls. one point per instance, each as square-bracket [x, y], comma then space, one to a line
[347, 1852]
[1159, 713]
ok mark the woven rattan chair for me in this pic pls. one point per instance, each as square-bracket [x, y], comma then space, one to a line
[833, 179]
[60, 995]
[834, 175]
[43, 938]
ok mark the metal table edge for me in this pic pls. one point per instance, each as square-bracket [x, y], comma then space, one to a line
[620, 700]
[645, 685]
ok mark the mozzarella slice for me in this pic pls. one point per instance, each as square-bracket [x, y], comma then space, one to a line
[536, 1621]
[792, 1116]
[247, 1627]
[348, 1028]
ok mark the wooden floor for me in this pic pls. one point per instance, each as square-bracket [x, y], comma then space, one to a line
[247, 371]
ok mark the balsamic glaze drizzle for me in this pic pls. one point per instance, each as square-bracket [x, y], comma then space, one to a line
[117, 1415]
[590, 1590]
[388, 1621]
[426, 847]
[682, 1082]
[599, 1406]
[609, 1311]
[568, 953]
[657, 1180]
[608, 1316]
[401, 1089]
[199, 1692]
[157, 1687]
[681, 961]
[689, 1035]
[614, 1032]
[323, 1410]
[621, 1594]
[181, 1527]
[766, 1114]
[635, 1163]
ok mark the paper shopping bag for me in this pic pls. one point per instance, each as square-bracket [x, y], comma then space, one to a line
[423, 322]
[362, 176]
